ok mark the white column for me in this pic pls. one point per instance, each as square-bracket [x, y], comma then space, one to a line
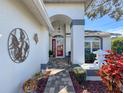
[68, 39]
[77, 40]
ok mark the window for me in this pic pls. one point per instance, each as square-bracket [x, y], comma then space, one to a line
[95, 46]
[87, 47]
[92, 44]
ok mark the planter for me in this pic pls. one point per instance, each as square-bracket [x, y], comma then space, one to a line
[30, 86]
[37, 83]
[88, 86]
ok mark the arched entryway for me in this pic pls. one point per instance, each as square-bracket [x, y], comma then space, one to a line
[59, 40]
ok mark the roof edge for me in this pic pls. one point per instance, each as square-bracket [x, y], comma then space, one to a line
[40, 8]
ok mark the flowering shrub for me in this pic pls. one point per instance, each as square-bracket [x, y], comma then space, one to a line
[112, 71]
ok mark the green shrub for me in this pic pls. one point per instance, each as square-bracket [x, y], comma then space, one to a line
[38, 75]
[80, 74]
[117, 45]
[90, 57]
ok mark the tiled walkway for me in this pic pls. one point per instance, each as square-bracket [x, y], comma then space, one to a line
[59, 81]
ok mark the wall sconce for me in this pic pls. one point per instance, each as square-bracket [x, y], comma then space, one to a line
[36, 38]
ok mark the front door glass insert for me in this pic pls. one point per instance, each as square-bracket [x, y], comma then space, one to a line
[58, 46]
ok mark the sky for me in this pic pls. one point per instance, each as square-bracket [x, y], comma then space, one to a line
[106, 24]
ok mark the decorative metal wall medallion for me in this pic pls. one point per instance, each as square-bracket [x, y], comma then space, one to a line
[18, 45]
[35, 38]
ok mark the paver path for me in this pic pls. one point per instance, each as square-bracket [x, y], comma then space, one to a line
[59, 82]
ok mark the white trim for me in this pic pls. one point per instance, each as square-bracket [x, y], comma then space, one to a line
[40, 12]
[90, 40]
[91, 66]
[41, 7]
[91, 46]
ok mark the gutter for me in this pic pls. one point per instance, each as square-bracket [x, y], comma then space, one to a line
[42, 10]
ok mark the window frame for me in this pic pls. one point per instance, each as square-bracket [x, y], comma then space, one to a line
[91, 40]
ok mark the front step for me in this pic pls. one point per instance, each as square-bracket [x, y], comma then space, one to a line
[92, 75]
[93, 78]
[92, 72]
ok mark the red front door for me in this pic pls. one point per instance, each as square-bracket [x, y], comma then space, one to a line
[59, 50]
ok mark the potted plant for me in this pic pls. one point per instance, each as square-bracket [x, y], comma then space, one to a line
[90, 57]
[50, 53]
[30, 86]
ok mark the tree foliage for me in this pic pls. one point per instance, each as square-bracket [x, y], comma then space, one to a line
[100, 8]
[117, 45]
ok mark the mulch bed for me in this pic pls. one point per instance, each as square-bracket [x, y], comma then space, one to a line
[88, 86]
[41, 85]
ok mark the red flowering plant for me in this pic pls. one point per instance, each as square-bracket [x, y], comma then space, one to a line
[112, 71]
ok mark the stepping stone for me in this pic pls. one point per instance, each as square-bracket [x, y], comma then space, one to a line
[61, 85]
[52, 90]
[59, 80]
